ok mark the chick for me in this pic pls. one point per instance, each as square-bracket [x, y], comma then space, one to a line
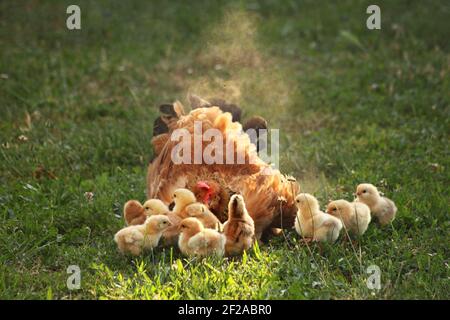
[135, 239]
[355, 215]
[134, 213]
[239, 228]
[202, 213]
[195, 240]
[313, 223]
[170, 235]
[381, 208]
[154, 207]
[182, 198]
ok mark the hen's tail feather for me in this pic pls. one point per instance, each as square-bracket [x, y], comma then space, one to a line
[256, 123]
[159, 127]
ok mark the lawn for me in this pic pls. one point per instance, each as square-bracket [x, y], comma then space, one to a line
[352, 105]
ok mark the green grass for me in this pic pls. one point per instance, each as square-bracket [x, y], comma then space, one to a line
[352, 106]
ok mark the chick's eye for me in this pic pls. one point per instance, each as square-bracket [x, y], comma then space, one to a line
[298, 201]
[334, 209]
[364, 191]
[146, 208]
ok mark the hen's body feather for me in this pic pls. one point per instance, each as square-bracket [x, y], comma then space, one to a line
[269, 195]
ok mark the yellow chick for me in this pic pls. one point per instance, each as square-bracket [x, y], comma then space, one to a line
[135, 239]
[182, 198]
[313, 223]
[355, 215]
[382, 208]
[170, 236]
[206, 217]
[195, 240]
[155, 207]
[239, 229]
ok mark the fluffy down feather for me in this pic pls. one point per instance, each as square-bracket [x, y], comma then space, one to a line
[134, 213]
[136, 238]
[195, 240]
[354, 215]
[239, 229]
[313, 223]
[381, 208]
[202, 213]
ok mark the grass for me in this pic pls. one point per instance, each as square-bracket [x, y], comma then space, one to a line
[352, 105]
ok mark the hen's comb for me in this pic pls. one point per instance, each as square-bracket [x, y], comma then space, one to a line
[203, 185]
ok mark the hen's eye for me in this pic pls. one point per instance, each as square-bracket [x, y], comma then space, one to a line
[298, 201]
[334, 209]
[174, 195]
[146, 208]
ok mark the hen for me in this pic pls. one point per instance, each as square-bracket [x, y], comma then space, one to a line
[269, 195]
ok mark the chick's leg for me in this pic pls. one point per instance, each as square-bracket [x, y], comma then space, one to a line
[306, 241]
